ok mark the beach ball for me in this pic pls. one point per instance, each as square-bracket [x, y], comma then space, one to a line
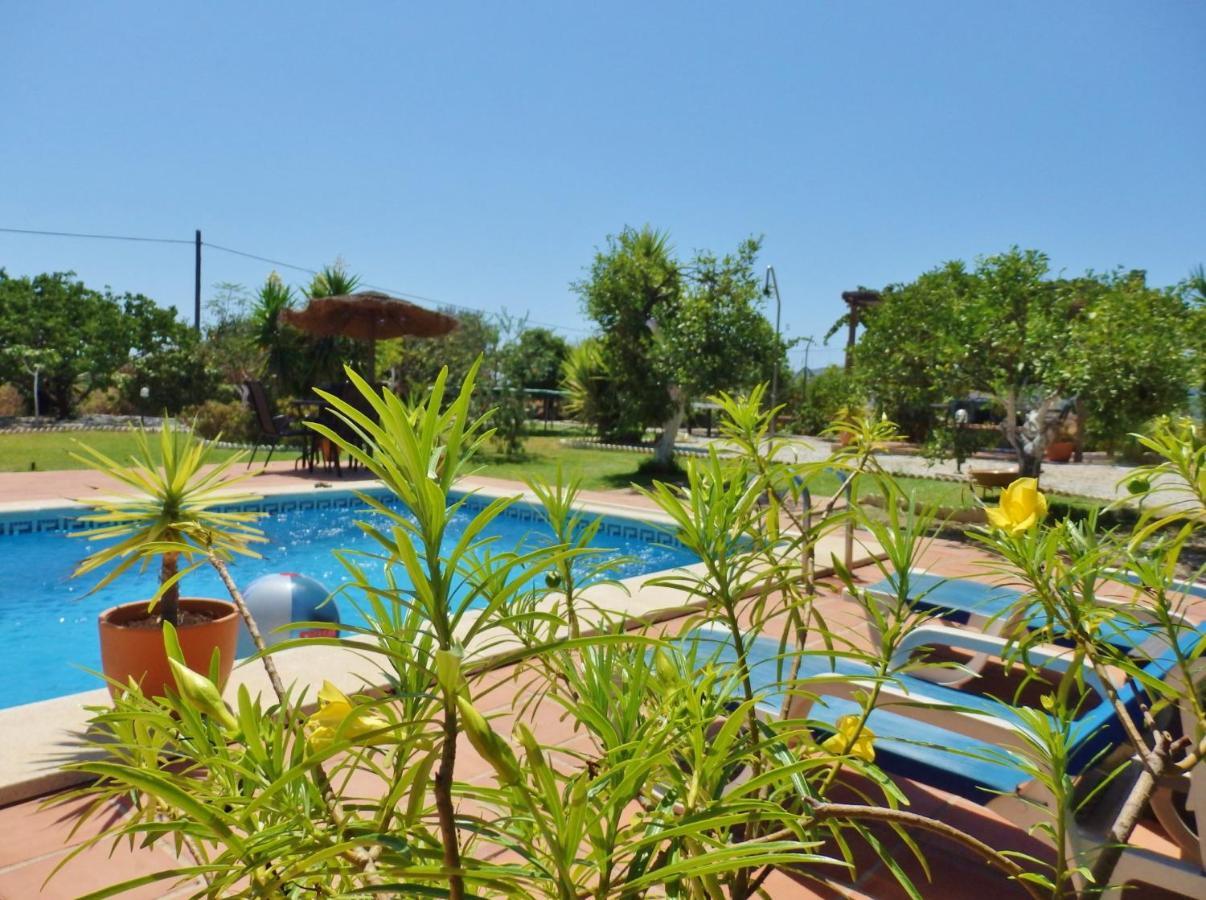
[278, 600]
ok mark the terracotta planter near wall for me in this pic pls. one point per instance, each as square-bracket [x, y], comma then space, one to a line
[1060, 451]
[138, 652]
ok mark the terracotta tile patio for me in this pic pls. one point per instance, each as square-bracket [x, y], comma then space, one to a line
[34, 839]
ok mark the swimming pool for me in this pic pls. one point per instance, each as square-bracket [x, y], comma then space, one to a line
[48, 620]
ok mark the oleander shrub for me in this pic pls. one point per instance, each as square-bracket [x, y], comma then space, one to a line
[682, 784]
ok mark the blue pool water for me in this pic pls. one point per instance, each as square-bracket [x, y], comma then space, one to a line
[48, 620]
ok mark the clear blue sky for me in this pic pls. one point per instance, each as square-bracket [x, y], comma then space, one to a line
[478, 153]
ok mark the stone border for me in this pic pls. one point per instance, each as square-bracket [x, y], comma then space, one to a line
[643, 449]
[32, 425]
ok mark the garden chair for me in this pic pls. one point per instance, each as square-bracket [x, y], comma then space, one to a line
[350, 394]
[274, 430]
[961, 742]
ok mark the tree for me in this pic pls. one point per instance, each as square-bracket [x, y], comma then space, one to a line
[74, 336]
[274, 338]
[413, 363]
[1192, 291]
[1024, 352]
[165, 358]
[333, 281]
[634, 284]
[295, 361]
[817, 401]
[717, 339]
[1005, 328]
[534, 359]
[230, 334]
[671, 332]
[176, 375]
[323, 357]
[918, 348]
[1128, 355]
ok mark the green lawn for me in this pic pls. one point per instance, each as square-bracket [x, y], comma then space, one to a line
[933, 492]
[600, 470]
[955, 495]
[49, 450]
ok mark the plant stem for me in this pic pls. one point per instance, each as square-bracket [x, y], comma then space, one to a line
[169, 603]
[1132, 809]
[274, 677]
[322, 781]
[444, 807]
[823, 811]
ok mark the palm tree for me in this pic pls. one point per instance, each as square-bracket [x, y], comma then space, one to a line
[269, 334]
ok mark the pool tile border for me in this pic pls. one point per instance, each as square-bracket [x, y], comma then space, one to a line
[67, 519]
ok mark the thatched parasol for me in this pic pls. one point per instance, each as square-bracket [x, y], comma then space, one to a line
[368, 316]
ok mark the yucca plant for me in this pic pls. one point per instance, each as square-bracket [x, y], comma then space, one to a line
[172, 512]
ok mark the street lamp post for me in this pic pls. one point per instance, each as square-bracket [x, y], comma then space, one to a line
[772, 281]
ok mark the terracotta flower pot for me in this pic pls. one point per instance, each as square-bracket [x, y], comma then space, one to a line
[1060, 451]
[138, 652]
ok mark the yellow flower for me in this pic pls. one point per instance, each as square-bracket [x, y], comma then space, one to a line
[337, 718]
[1022, 507]
[844, 742]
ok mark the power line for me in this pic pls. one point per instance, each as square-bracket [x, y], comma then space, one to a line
[274, 262]
[99, 237]
[408, 295]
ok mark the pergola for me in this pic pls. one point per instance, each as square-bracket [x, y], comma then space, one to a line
[856, 302]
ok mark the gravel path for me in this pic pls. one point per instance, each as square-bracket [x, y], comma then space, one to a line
[1101, 481]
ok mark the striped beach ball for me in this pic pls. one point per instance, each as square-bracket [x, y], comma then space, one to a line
[277, 600]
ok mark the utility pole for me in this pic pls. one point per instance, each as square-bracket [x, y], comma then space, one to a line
[197, 285]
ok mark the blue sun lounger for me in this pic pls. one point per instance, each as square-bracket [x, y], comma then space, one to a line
[951, 598]
[1177, 586]
[955, 740]
[993, 609]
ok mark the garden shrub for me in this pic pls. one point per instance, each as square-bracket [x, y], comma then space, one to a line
[816, 401]
[232, 419]
[108, 402]
[11, 401]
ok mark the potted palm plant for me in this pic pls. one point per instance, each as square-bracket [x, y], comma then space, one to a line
[171, 517]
